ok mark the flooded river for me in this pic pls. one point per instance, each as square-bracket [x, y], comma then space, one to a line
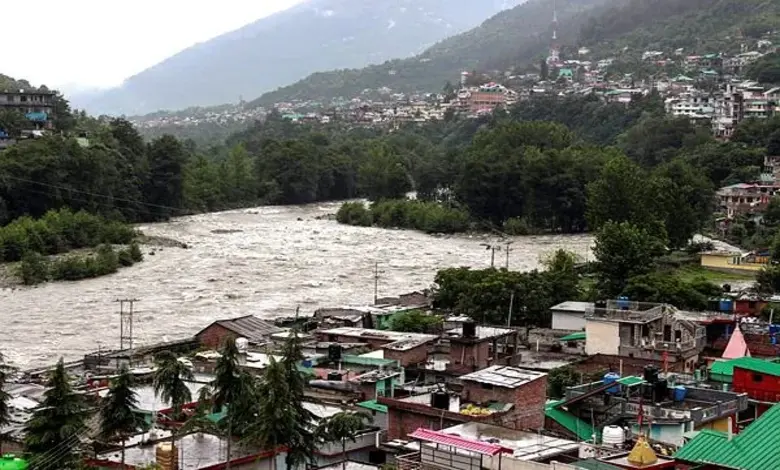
[263, 261]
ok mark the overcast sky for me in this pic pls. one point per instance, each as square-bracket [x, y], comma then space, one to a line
[98, 43]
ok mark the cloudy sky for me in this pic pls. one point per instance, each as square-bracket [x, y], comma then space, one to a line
[75, 44]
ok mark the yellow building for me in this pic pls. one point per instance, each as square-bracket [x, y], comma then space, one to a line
[732, 261]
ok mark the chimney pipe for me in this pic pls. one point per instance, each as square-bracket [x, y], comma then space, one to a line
[730, 424]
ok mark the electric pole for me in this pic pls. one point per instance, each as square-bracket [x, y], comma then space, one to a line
[493, 249]
[126, 309]
[507, 249]
[376, 282]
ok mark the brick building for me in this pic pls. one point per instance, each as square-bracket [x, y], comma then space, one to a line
[255, 330]
[476, 347]
[500, 395]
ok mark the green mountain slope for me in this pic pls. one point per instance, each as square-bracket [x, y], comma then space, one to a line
[515, 36]
[697, 26]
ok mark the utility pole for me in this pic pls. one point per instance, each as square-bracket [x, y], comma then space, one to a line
[126, 323]
[493, 249]
[377, 272]
[507, 249]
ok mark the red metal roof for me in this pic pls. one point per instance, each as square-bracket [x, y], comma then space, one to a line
[471, 445]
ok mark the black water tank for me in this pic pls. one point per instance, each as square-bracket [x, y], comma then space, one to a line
[469, 329]
[651, 374]
[335, 376]
[334, 352]
[661, 391]
[440, 400]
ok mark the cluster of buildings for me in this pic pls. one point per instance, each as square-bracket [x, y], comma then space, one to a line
[655, 388]
[33, 105]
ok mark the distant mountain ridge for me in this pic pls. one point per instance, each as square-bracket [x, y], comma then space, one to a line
[520, 37]
[287, 46]
[510, 37]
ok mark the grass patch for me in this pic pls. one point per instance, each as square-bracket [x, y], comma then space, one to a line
[692, 271]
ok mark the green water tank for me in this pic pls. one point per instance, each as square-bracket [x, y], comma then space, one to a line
[11, 462]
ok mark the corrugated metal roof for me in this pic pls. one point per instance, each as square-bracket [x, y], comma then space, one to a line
[726, 368]
[752, 449]
[580, 336]
[249, 327]
[575, 425]
[470, 445]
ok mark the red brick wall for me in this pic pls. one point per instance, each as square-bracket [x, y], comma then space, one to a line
[214, 335]
[529, 401]
[402, 423]
[410, 357]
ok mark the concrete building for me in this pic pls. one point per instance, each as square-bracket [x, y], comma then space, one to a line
[570, 315]
[484, 446]
[655, 332]
[406, 348]
[745, 198]
[506, 396]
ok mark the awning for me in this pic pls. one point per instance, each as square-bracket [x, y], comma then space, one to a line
[470, 445]
[574, 337]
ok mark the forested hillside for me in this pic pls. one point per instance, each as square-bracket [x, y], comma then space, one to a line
[512, 37]
[697, 26]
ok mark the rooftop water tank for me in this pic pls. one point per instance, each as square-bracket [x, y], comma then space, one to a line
[440, 400]
[612, 377]
[242, 344]
[613, 436]
[679, 393]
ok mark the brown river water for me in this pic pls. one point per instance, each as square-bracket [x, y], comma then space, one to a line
[262, 261]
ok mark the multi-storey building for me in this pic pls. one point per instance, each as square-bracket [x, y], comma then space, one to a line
[35, 105]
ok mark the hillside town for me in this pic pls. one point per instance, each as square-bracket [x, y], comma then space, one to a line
[652, 386]
[710, 89]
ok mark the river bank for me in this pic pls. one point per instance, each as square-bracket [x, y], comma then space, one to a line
[263, 261]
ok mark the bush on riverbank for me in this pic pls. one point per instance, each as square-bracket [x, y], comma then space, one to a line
[429, 217]
[36, 268]
[354, 213]
[60, 231]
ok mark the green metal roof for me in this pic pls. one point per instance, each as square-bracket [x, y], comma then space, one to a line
[593, 464]
[574, 337]
[726, 368]
[373, 405]
[752, 449]
[578, 427]
[631, 380]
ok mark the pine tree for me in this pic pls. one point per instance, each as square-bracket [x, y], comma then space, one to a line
[54, 431]
[118, 419]
[233, 391]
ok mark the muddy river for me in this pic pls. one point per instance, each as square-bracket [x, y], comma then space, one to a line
[263, 261]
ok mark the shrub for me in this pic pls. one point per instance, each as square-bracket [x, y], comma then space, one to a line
[517, 226]
[429, 217]
[354, 213]
[58, 232]
[125, 258]
[34, 268]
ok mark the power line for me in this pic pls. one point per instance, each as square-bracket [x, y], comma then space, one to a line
[90, 193]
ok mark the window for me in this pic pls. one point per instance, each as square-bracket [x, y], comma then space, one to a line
[486, 386]
[758, 378]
